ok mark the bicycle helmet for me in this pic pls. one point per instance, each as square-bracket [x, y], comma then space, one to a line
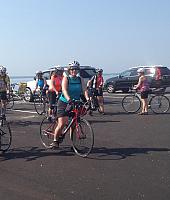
[58, 68]
[74, 65]
[38, 72]
[140, 70]
[3, 69]
[99, 70]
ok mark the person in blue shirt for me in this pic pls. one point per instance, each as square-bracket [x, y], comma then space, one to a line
[73, 87]
[41, 83]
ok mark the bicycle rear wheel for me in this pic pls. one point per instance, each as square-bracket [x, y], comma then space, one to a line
[47, 132]
[131, 103]
[82, 138]
[40, 105]
[159, 104]
[10, 101]
[5, 136]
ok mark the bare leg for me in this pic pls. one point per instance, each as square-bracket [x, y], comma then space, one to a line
[145, 105]
[61, 123]
[3, 109]
[101, 103]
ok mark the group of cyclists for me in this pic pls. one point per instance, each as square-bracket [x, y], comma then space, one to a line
[66, 87]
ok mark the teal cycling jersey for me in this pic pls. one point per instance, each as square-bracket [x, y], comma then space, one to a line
[74, 89]
[40, 83]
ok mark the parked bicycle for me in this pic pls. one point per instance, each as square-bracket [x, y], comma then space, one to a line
[81, 132]
[158, 102]
[18, 91]
[5, 133]
[10, 101]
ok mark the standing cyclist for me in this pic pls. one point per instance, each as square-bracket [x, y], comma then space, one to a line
[41, 83]
[143, 87]
[95, 84]
[72, 88]
[4, 88]
[54, 89]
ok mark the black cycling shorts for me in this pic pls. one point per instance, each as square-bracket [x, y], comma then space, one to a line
[144, 94]
[52, 98]
[3, 95]
[61, 109]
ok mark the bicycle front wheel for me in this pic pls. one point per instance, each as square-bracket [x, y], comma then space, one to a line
[82, 138]
[5, 136]
[47, 132]
[159, 104]
[39, 105]
[10, 102]
[131, 103]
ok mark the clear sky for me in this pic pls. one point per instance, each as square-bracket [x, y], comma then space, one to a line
[111, 34]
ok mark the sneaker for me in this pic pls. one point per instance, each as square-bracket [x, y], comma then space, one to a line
[53, 117]
[3, 116]
[61, 138]
[54, 145]
[102, 113]
[90, 113]
[49, 119]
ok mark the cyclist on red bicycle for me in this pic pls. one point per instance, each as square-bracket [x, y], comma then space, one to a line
[72, 88]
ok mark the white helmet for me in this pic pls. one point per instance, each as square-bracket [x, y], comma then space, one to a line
[74, 65]
[3, 69]
[38, 72]
[99, 70]
[140, 70]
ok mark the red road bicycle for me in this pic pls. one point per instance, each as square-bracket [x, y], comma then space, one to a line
[81, 132]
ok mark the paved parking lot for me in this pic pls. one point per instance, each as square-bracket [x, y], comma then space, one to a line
[130, 159]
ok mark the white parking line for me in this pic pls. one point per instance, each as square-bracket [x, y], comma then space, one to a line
[27, 117]
[25, 111]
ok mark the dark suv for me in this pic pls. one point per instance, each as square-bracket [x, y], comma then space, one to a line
[158, 76]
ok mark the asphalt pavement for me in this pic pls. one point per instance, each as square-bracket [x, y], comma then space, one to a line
[130, 159]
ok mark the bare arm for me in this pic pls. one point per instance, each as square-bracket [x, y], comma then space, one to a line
[45, 83]
[84, 88]
[65, 88]
[139, 83]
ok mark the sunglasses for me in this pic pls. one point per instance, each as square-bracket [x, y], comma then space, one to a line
[74, 69]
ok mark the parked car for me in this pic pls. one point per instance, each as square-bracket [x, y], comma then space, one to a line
[158, 76]
[86, 72]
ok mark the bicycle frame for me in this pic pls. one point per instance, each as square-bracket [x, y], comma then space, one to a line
[75, 116]
[157, 102]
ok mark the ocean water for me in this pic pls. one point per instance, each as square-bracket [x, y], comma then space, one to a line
[19, 79]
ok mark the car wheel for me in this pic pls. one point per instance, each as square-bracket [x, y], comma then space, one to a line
[125, 90]
[110, 88]
[28, 96]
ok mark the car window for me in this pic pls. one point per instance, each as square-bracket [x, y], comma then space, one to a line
[126, 73]
[46, 75]
[134, 73]
[164, 71]
[149, 71]
[87, 73]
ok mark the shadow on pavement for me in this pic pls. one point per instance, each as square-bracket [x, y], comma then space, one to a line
[102, 121]
[33, 153]
[23, 123]
[104, 153]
